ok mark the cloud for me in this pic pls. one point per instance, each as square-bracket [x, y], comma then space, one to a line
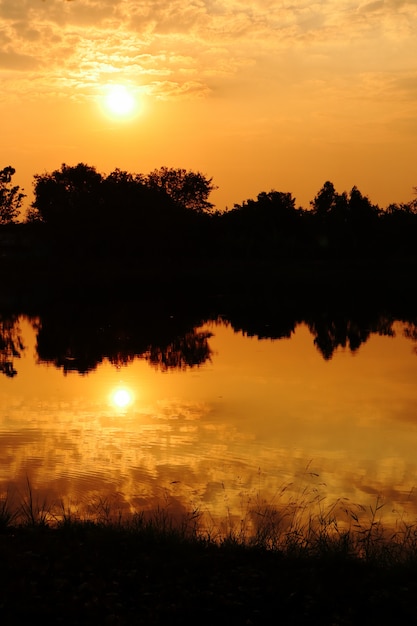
[175, 49]
[12, 60]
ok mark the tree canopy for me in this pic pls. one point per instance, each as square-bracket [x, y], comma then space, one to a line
[11, 196]
[167, 214]
[78, 193]
[189, 189]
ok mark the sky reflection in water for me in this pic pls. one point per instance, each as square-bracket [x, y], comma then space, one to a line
[223, 437]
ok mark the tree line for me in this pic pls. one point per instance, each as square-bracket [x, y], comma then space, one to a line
[168, 214]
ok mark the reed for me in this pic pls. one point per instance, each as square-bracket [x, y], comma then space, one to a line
[8, 512]
[305, 526]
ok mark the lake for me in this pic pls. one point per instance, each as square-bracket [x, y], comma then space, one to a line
[215, 415]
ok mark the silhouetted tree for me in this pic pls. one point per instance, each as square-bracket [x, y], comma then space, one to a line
[330, 212]
[344, 224]
[361, 211]
[167, 215]
[11, 196]
[67, 196]
[327, 200]
[269, 226]
[187, 188]
[125, 194]
[398, 225]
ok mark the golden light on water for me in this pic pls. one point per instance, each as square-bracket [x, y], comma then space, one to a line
[262, 416]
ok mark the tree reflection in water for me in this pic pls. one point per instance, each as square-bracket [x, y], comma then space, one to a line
[79, 340]
[11, 344]
[340, 331]
[410, 331]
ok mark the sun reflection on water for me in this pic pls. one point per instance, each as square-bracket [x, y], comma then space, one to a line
[121, 398]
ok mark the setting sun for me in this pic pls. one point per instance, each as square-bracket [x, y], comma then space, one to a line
[119, 101]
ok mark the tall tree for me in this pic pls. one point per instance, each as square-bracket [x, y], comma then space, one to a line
[11, 196]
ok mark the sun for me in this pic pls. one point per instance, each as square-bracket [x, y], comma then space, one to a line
[119, 101]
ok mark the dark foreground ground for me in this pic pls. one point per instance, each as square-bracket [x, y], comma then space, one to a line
[90, 575]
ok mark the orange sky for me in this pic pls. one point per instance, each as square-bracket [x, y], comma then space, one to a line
[259, 95]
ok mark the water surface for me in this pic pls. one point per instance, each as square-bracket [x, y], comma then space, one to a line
[254, 421]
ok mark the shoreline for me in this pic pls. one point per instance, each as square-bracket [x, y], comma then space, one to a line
[341, 282]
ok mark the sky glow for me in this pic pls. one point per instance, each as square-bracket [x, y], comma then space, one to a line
[259, 95]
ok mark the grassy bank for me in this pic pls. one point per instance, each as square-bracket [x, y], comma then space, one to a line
[154, 569]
